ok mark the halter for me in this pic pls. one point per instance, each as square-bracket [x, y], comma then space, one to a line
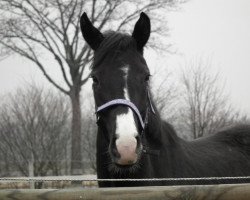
[131, 105]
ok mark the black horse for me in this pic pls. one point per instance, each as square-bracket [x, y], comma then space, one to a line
[133, 141]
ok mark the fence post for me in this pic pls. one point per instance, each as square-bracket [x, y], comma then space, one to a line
[31, 171]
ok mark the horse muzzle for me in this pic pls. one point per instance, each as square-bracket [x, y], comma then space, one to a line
[127, 151]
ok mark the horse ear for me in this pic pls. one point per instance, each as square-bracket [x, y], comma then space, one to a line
[141, 31]
[91, 34]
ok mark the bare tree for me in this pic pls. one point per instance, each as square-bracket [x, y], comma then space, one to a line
[89, 143]
[39, 29]
[34, 133]
[205, 105]
[89, 133]
[165, 94]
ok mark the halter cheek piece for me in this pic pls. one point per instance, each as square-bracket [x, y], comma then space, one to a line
[131, 105]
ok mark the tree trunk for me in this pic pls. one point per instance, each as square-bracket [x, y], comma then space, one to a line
[76, 152]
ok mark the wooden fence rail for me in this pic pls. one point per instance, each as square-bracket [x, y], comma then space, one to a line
[199, 192]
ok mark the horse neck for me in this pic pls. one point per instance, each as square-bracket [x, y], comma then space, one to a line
[160, 131]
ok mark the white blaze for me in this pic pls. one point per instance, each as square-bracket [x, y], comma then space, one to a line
[126, 130]
[125, 123]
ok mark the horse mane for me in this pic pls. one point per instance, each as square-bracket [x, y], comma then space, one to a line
[113, 44]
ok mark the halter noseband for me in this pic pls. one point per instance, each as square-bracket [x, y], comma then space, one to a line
[131, 105]
[122, 102]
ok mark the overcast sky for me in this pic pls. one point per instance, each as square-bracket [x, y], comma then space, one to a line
[219, 29]
[211, 28]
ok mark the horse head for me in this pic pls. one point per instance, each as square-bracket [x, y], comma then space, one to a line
[120, 86]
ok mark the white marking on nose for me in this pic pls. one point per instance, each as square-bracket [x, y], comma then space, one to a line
[126, 130]
[127, 151]
[126, 142]
[125, 122]
[125, 89]
[125, 125]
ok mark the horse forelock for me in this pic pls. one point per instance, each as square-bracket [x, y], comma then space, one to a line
[112, 46]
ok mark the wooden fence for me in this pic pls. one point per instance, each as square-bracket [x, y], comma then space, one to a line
[199, 192]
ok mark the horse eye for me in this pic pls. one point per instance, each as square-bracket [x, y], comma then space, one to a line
[95, 80]
[147, 77]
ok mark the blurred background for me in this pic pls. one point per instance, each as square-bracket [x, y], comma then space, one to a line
[198, 55]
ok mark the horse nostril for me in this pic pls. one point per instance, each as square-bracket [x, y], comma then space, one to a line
[116, 136]
[114, 150]
[138, 139]
[139, 145]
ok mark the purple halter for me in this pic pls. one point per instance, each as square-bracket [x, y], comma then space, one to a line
[129, 104]
[122, 102]
[137, 112]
